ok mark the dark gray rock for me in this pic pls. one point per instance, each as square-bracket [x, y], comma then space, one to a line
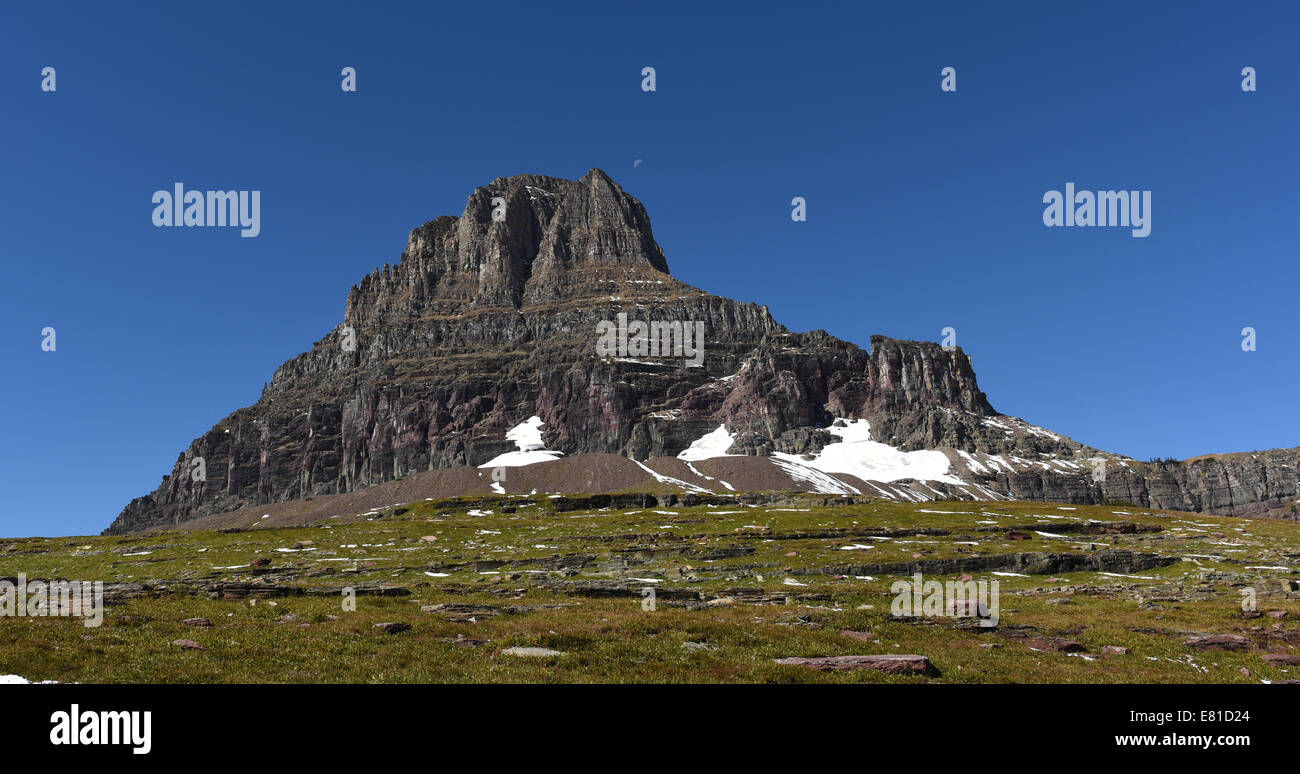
[482, 324]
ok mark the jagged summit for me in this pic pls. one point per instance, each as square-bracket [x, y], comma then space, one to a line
[487, 325]
[522, 240]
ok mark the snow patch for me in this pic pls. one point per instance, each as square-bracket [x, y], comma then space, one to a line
[714, 444]
[20, 680]
[670, 480]
[532, 449]
[856, 454]
[972, 463]
[820, 481]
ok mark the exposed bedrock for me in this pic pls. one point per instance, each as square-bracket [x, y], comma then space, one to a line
[483, 323]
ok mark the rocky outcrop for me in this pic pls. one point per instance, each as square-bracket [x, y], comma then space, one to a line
[490, 318]
[1036, 562]
[1243, 484]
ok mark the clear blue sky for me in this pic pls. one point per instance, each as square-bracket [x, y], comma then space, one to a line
[924, 208]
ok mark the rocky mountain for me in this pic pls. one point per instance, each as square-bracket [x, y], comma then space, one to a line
[490, 319]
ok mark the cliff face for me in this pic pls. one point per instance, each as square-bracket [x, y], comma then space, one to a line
[1245, 484]
[487, 321]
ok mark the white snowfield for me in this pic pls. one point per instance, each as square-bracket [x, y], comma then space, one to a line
[819, 480]
[20, 680]
[853, 453]
[670, 480]
[714, 444]
[532, 449]
[857, 455]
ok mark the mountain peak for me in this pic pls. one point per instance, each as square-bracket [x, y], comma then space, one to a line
[490, 320]
[520, 240]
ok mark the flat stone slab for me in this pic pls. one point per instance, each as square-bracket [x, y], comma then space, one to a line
[893, 663]
[1220, 642]
[1054, 644]
[863, 636]
[463, 613]
[531, 652]
[1281, 659]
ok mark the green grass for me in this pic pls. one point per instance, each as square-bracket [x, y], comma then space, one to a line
[703, 550]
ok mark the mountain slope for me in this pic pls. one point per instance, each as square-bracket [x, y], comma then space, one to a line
[486, 322]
